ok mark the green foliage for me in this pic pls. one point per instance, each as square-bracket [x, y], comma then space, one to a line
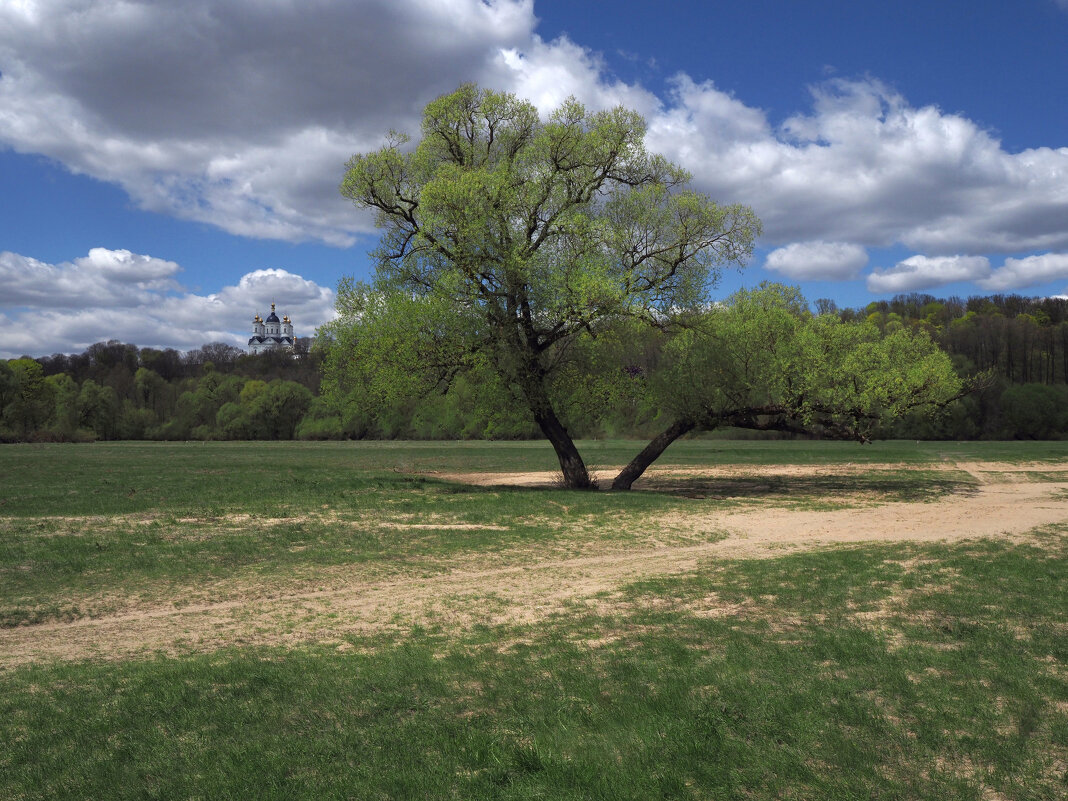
[601, 382]
[1035, 411]
[315, 427]
[280, 407]
[66, 419]
[114, 390]
[31, 398]
[233, 421]
[260, 410]
[133, 423]
[98, 409]
[388, 347]
[508, 239]
[540, 229]
[761, 360]
[153, 392]
[8, 386]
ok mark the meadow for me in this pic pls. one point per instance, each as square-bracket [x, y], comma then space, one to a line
[393, 620]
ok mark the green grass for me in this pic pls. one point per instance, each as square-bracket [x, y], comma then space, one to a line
[898, 672]
[201, 521]
[960, 686]
[273, 477]
[204, 549]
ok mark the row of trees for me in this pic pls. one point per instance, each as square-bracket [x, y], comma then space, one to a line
[117, 391]
[1025, 340]
[1020, 343]
[110, 391]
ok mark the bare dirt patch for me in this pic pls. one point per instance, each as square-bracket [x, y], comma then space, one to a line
[444, 526]
[656, 475]
[994, 510]
[469, 590]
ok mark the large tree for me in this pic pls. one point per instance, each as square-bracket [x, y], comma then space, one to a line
[529, 253]
[506, 238]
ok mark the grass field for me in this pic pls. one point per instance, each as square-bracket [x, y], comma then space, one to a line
[365, 620]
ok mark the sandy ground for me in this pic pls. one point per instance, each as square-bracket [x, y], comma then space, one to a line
[984, 472]
[470, 590]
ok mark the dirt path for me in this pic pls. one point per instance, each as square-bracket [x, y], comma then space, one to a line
[1004, 505]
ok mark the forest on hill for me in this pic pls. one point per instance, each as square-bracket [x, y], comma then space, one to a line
[1017, 345]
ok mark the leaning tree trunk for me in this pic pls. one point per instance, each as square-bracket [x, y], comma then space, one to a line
[576, 476]
[632, 472]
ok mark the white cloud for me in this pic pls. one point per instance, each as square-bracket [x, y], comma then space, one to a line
[866, 167]
[925, 272]
[116, 294]
[130, 268]
[111, 278]
[1019, 273]
[818, 261]
[241, 114]
[547, 73]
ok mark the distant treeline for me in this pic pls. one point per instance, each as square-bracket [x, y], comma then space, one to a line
[1022, 343]
[1025, 340]
[119, 391]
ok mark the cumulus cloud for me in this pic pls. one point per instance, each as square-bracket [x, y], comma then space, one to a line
[243, 113]
[116, 294]
[818, 261]
[112, 278]
[240, 114]
[547, 73]
[866, 167]
[926, 272]
[1020, 273]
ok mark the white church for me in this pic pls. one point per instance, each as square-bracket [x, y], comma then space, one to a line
[271, 334]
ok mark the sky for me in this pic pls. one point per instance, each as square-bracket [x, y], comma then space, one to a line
[169, 169]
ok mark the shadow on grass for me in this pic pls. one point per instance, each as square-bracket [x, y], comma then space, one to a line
[911, 485]
[905, 485]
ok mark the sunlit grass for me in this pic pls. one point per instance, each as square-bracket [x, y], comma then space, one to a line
[878, 672]
[903, 671]
[272, 477]
[91, 530]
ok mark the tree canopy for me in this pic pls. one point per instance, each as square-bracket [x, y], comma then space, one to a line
[506, 238]
[533, 253]
[762, 361]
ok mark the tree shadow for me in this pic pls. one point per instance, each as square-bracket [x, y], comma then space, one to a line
[917, 486]
[912, 485]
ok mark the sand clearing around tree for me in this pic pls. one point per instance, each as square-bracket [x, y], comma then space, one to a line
[1005, 502]
[656, 475]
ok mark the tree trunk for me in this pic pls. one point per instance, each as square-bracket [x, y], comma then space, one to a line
[532, 383]
[576, 476]
[632, 472]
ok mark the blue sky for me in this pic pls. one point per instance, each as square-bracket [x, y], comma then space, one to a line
[168, 170]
